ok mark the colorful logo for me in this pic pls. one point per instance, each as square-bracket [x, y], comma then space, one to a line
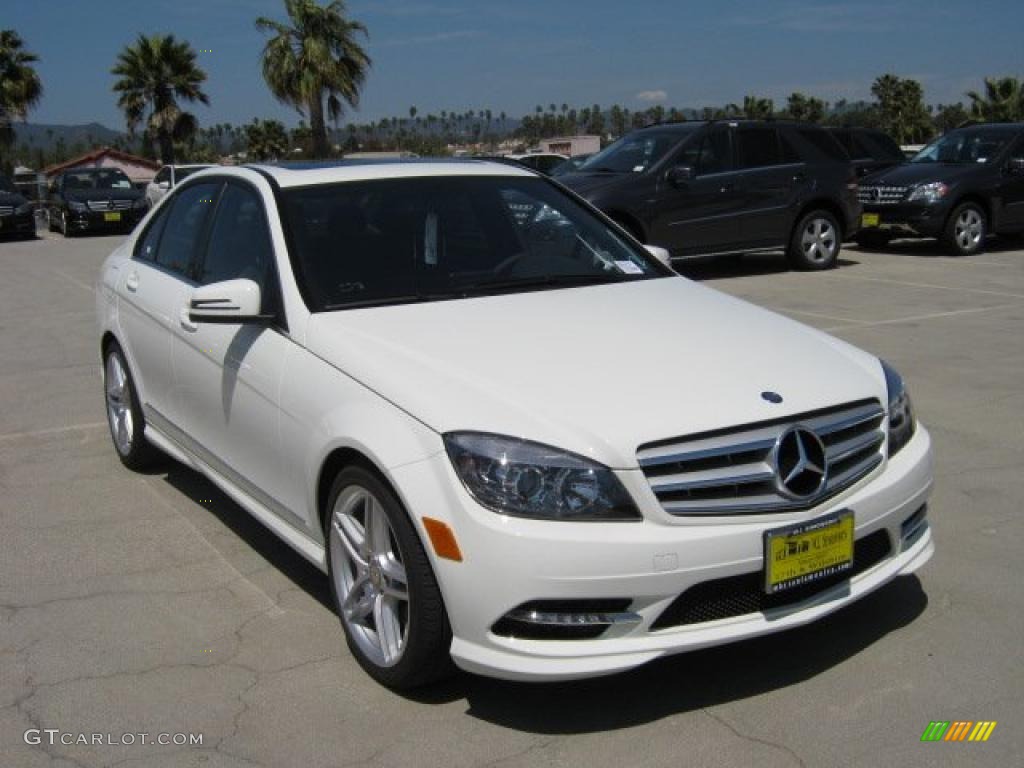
[958, 730]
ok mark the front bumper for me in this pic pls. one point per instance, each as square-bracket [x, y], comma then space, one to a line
[909, 219]
[19, 223]
[508, 562]
[96, 221]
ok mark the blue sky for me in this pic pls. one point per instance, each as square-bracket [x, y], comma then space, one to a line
[462, 54]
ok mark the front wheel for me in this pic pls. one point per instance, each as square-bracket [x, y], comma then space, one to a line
[815, 242]
[384, 589]
[965, 230]
[124, 412]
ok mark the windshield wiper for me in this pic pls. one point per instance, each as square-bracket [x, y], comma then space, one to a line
[386, 301]
[541, 281]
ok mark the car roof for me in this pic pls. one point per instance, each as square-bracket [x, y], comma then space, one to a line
[303, 174]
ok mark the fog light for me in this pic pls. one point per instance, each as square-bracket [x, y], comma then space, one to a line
[564, 619]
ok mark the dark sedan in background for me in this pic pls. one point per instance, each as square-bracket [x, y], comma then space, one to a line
[94, 200]
[16, 216]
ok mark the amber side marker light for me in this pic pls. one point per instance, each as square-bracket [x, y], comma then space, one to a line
[443, 539]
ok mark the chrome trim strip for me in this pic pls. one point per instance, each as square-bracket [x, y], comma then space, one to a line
[708, 453]
[554, 618]
[712, 482]
[847, 448]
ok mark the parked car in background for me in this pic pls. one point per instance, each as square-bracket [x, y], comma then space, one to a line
[510, 436]
[729, 186]
[960, 188]
[167, 178]
[570, 165]
[870, 150]
[17, 216]
[94, 200]
[543, 162]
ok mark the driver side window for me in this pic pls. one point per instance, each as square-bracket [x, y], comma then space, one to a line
[710, 155]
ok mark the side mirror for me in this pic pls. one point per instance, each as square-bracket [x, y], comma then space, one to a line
[660, 254]
[230, 301]
[1016, 166]
[165, 185]
[679, 175]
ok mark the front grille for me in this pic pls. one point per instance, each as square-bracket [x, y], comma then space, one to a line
[109, 205]
[6, 210]
[744, 594]
[731, 472]
[881, 195]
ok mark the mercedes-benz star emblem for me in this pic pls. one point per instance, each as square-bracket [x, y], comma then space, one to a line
[800, 465]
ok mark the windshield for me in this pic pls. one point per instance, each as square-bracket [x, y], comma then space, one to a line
[106, 179]
[636, 152]
[975, 145]
[6, 185]
[397, 241]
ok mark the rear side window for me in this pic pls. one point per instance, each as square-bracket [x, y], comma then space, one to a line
[759, 146]
[818, 145]
[185, 226]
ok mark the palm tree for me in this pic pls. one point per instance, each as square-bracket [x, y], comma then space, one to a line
[1002, 101]
[20, 87]
[155, 74]
[316, 58]
[757, 108]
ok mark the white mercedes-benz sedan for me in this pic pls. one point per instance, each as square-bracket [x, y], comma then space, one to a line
[508, 433]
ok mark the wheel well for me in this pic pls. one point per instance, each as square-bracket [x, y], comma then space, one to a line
[822, 205]
[105, 342]
[980, 202]
[630, 223]
[337, 460]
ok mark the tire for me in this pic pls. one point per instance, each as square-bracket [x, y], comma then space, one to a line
[965, 230]
[366, 574]
[64, 228]
[872, 240]
[124, 413]
[815, 242]
[49, 222]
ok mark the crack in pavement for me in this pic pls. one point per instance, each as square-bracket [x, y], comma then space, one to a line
[754, 739]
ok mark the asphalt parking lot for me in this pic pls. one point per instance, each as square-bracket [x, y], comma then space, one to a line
[151, 603]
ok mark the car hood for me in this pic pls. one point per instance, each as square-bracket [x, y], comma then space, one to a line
[84, 195]
[597, 370]
[910, 174]
[584, 183]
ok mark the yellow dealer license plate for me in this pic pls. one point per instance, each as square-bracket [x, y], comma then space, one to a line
[869, 220]
[800, 554]
[116, 216]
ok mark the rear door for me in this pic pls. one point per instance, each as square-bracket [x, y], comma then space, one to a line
[1012, 191]
[771, 184]
[154, 284]
[227, 375]
[701, 215]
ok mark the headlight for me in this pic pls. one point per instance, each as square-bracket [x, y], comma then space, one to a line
[524, 479]
[901, 412]
[21, 210]
[76, 206]
[929, 193]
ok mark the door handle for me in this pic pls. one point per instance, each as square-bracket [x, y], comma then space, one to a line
[132, 282]
[726, 188]
[799, 177]
[186, 321]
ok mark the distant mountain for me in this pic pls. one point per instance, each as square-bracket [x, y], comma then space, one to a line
[45, 137]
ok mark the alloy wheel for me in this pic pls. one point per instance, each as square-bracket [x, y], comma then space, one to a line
[369, 576]
[119, 405]
[969, 229]
[819, 240]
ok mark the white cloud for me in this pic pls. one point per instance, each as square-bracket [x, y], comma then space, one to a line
[651, 96]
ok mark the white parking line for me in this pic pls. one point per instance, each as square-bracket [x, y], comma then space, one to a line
[928, 285]
[74, 280]
[913, 318]
[53, 431]
[850, 320]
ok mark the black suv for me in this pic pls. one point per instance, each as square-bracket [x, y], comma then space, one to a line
[94, 199]
[16, 216]
[870, 150]
[730, 186]
[959, 188]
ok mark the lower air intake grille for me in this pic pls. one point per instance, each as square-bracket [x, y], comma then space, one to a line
[743, 594]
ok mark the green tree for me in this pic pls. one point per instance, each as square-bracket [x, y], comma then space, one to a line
[20, 87]
[902, 110]
[155, 74]
[806, 109]
[315, 58]
[949, 116]
[756, 108]
[1001, 102]
[266, 140]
